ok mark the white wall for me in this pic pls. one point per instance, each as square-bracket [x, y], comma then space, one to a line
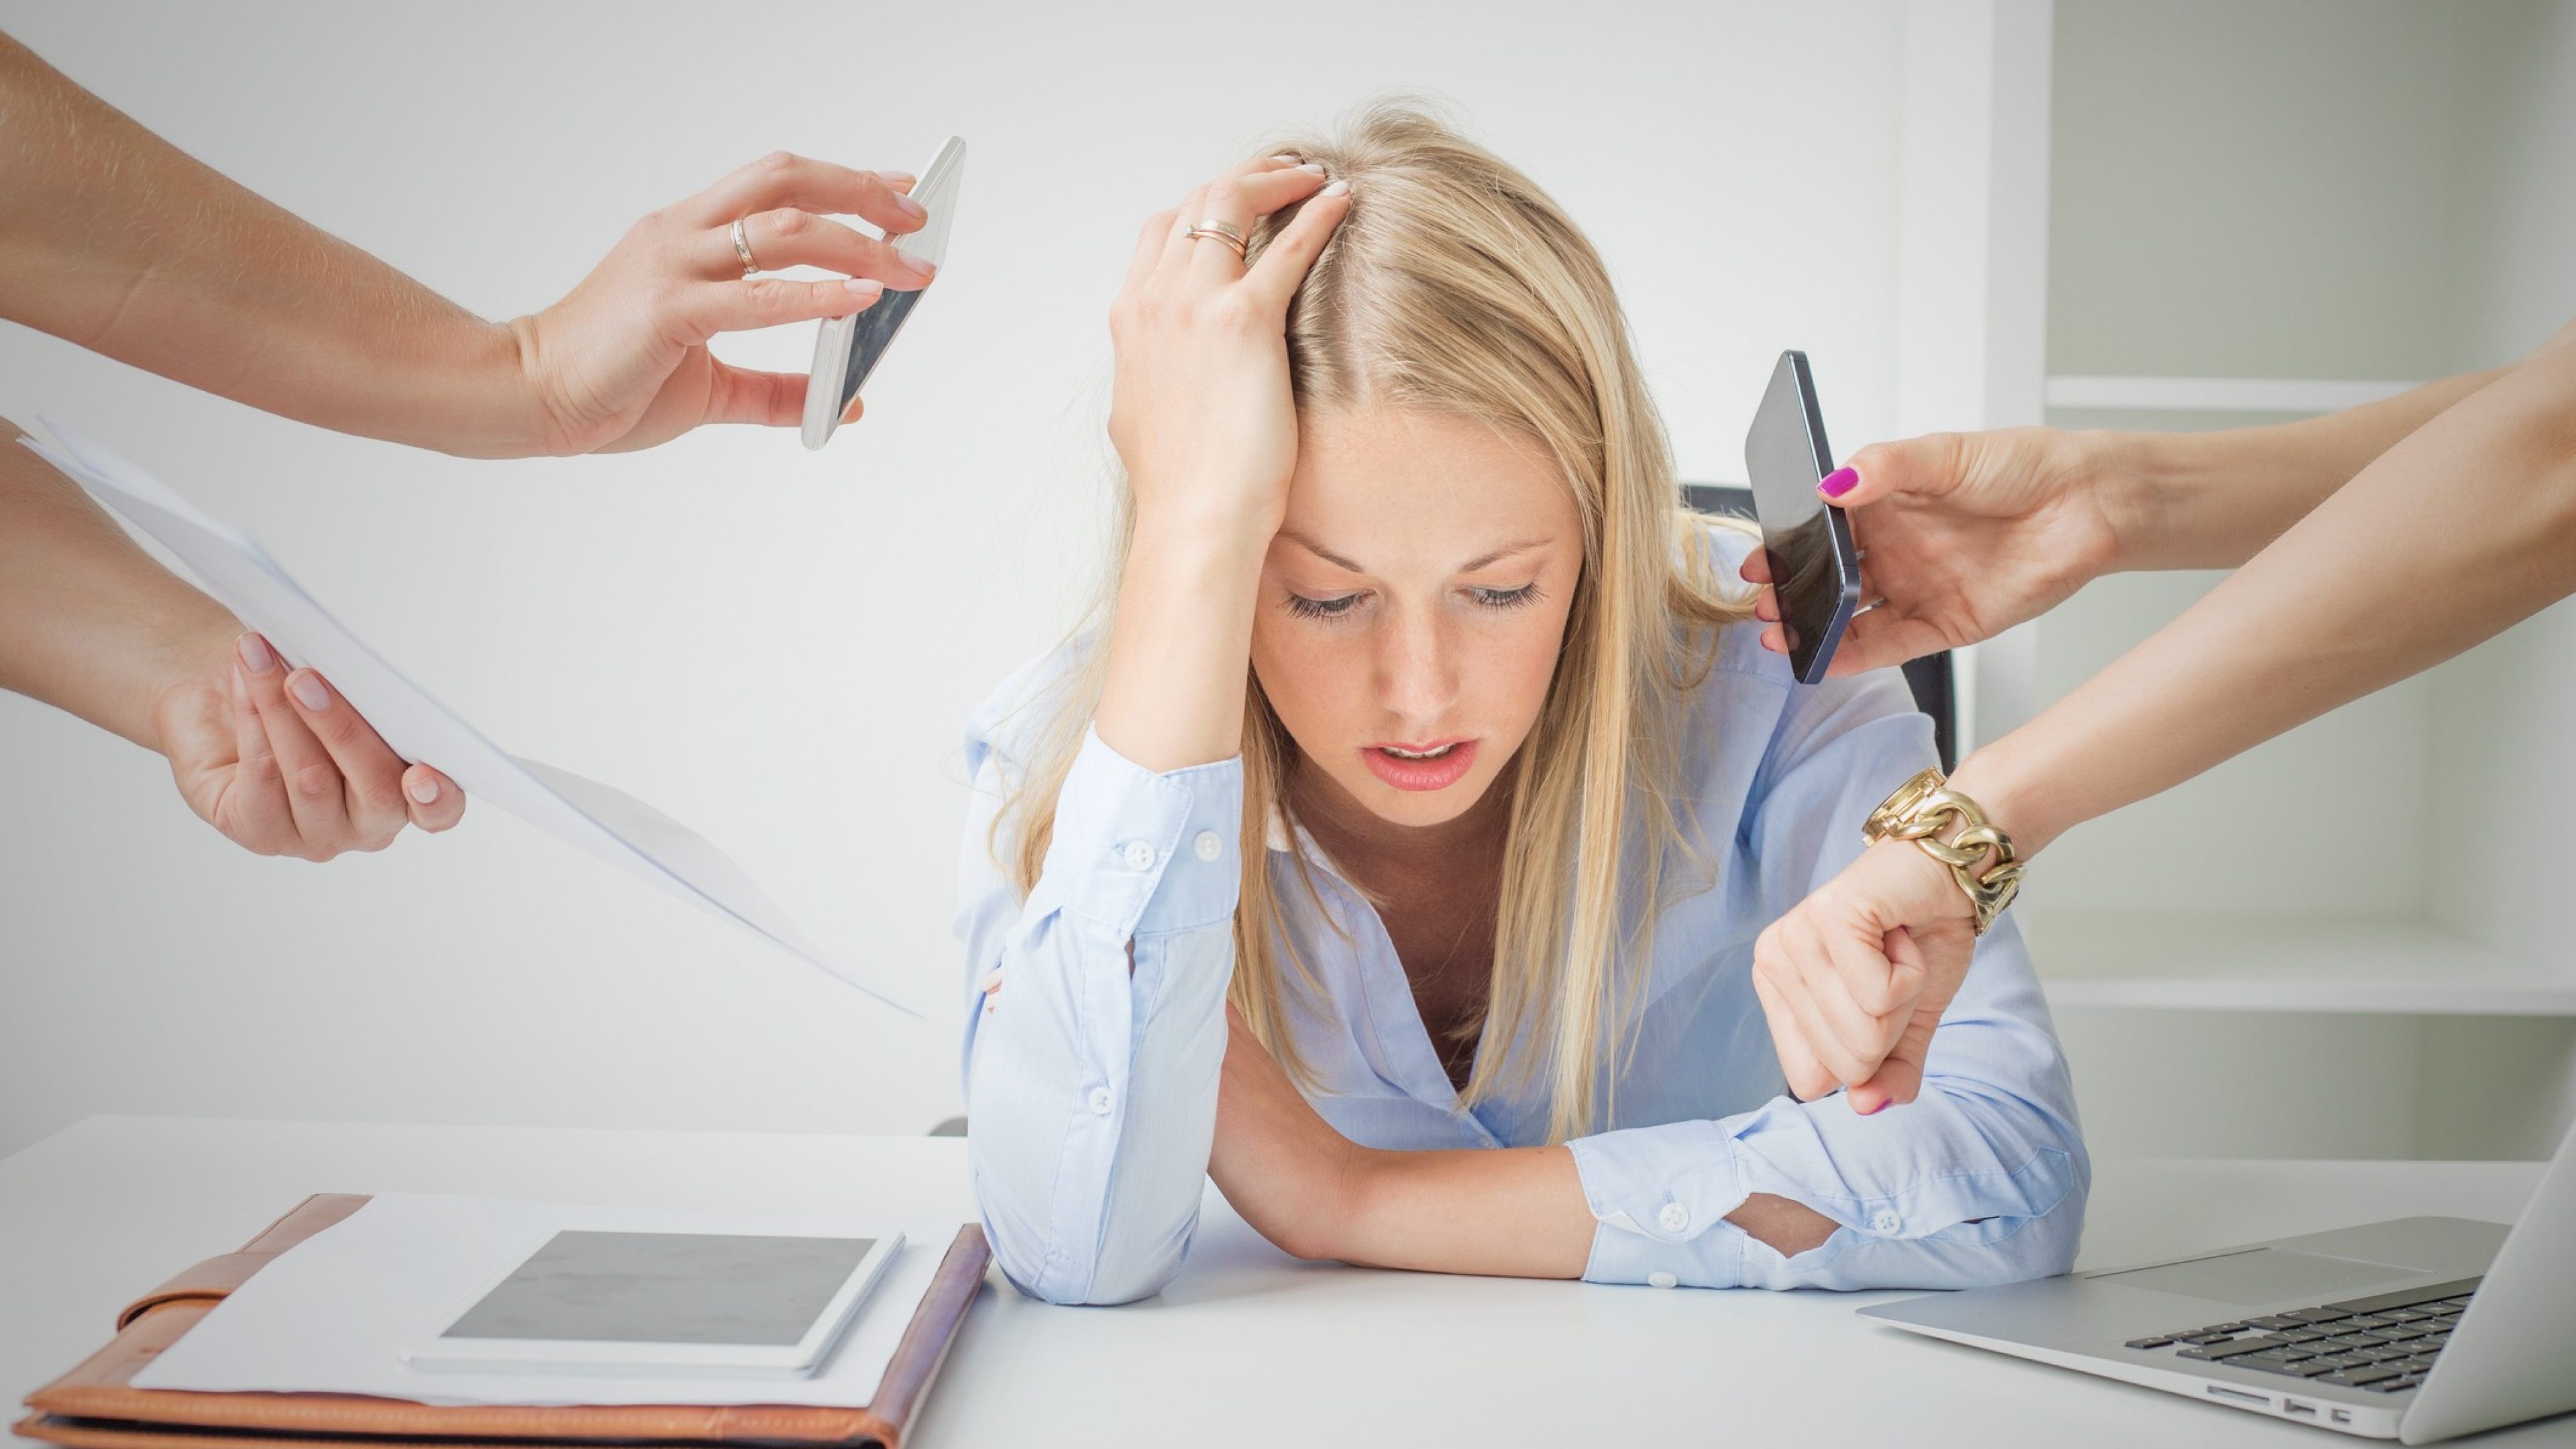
[2323, 188]
[775, 646]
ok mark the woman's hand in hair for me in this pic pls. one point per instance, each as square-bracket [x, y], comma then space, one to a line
[1201, 413]
[1965, 535]
[1203, 419]
[1855, 978]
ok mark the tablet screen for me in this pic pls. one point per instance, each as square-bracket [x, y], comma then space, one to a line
[710, 1288]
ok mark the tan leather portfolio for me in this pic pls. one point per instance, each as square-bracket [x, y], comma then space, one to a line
[96, 1405]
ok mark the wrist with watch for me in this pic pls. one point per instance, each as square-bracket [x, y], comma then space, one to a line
[1954, 830]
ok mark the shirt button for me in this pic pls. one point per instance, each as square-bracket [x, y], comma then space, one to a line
[1674, 1217]
[1207, 846]
[1662, 1280]
[1885, 1223]
[1100, 1101]
[1139, 854]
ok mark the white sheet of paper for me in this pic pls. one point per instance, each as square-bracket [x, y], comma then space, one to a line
[334, 1313]
[610, 824]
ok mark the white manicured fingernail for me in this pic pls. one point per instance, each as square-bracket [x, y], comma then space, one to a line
[308, 691]
[1284, 156]
[1337, 188]
[425, 790]
[1315, 166]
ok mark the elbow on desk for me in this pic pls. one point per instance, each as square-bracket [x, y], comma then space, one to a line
[1026, 1261]
[2017, 1248]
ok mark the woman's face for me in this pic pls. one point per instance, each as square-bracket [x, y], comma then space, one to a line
[1413, 605]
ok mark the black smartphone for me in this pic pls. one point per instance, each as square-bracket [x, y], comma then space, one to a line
[1815, 574]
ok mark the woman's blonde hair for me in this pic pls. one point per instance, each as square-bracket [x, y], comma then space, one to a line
[1455, 284]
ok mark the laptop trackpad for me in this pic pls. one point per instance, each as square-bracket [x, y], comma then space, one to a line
[2260, 1275]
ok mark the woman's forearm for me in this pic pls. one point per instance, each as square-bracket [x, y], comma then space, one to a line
[1515, 1212]
[114, 239]
[89, 623]
[1181, 644]
[2213, 500]
[2464, 527]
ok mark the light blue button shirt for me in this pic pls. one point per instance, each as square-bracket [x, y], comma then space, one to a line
[1091, 1087]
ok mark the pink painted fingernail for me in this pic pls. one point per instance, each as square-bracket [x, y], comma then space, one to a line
[425, 790]
[1838, 482]
[308, 692]
[900, 178]
[255, 654]
[904, 203]
[864, 286]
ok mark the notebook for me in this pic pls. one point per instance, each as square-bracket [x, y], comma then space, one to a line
[97, 1405]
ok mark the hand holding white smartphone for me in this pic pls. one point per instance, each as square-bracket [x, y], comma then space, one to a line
[847, 349]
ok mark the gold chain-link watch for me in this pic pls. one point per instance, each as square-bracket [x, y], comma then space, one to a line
[1921, 810]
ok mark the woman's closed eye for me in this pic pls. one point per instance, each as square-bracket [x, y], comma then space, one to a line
[1341, 606]
[1335, 607]
[1521, 597]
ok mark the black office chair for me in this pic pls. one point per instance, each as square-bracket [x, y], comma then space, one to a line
[1929, 677]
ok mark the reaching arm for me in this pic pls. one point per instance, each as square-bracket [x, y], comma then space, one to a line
[2466, 526]
[1968, 534]
[273, 758]
[88, 622]
[112, 238]
[2462, 528]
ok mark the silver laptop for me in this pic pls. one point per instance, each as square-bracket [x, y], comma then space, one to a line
[2418, 1329]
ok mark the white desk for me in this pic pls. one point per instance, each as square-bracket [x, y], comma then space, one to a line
[1249, 1347]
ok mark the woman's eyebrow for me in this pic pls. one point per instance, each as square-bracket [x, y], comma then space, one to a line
[1483, 560]
[1486, 560]
[1319, 551]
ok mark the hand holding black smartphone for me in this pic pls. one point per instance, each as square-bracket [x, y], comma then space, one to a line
[1815, 571]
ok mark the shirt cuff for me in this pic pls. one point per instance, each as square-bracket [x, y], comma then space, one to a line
[1144, 853]
[1661, 1196]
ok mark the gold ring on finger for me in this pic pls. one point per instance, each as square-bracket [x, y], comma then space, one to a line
[1210, 227]
[742, 249]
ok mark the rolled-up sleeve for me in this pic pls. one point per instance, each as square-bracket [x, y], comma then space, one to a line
[1981, 1180]
[1091, 1083]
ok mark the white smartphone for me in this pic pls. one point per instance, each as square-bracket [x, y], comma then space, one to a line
[847, 349]
[666, 1303]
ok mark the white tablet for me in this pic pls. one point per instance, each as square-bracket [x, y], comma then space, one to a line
[846, 350]
[666, 1303]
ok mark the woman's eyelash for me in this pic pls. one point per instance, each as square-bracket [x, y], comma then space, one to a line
[1338, 608]
[1306, 608]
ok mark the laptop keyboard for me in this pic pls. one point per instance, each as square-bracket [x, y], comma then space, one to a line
[2385, 1344]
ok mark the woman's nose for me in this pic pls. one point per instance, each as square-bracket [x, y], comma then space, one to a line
[1417, 672]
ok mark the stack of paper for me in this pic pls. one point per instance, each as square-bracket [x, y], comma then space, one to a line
[336, 1312]
[610, 824]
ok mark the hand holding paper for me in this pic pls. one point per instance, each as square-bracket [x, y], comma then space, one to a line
[617, 828]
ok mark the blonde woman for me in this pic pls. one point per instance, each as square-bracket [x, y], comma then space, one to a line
[1394, 851]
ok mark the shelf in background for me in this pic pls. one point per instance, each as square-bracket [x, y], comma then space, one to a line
[2218, 394]
[2283, 963]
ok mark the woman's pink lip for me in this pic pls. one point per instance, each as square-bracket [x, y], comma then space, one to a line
[1437, 774]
